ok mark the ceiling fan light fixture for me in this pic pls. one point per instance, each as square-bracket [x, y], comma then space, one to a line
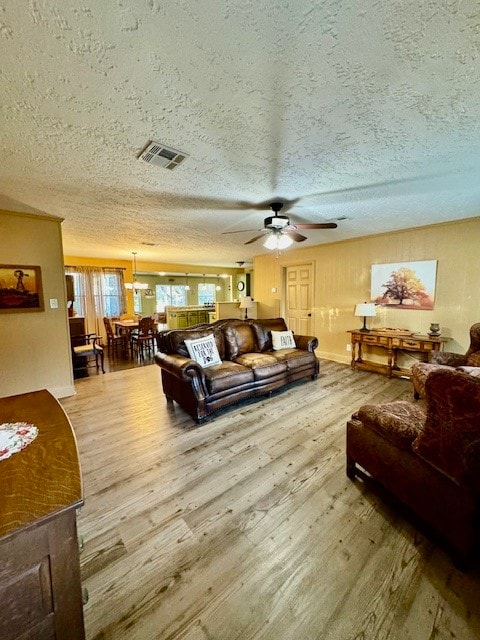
[284, 241]
[277, 241]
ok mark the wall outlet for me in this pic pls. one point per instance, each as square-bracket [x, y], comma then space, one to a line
[348, 347]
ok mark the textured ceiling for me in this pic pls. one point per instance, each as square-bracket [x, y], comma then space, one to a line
[366, 109]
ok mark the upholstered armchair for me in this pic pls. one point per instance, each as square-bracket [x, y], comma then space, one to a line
[427, 455]
[469, 362]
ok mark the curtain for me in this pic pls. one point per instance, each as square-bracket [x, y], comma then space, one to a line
[99, 292]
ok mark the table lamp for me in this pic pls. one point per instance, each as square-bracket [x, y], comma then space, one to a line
[246, 303]
[367, 310]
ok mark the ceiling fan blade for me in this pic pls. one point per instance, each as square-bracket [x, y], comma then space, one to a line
[255, 238]
[224, 233]
[319, 225]
[295, 236]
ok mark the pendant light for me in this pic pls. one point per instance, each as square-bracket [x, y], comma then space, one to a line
[136, 286]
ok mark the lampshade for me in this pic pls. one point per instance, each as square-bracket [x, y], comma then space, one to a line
[365, 309]
[277, 241]
[246, 302]
[136, 285]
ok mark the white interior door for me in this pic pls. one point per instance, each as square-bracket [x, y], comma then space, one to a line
[299, 298]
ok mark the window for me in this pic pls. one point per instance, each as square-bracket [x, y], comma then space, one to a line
[98, 293]
[171, 295]
[110, 289]
[137, 301]
[206, 294]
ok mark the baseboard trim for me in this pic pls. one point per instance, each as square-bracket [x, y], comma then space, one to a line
[63, 392]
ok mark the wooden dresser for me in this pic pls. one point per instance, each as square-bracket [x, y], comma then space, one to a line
[391, 343]
[40, 491]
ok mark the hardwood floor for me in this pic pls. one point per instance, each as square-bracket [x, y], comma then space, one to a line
[114, 362]
[247, 527]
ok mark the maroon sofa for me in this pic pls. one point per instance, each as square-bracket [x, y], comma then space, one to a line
[249, 366]
[428, 457]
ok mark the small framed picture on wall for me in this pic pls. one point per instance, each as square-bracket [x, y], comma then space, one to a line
[20, 288]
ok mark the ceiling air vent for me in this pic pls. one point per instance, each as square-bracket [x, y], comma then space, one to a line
[162, 156]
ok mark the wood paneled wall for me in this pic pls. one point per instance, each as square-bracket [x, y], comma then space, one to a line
[342, 279]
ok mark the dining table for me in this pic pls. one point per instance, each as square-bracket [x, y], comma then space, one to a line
[125, 327]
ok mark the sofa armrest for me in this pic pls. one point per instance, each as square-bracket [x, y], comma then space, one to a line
[184, 369]
[447, 358]
[308, 343]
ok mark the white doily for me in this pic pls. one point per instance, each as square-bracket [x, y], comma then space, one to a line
[15, 436]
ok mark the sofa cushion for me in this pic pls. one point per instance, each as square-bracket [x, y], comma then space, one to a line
[263, 365]
[239, 339]
[399, 422]
[227, 375]
[294, 358]
[176, 340]
[262, 330]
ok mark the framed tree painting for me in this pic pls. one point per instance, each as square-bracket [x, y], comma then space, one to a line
[404, 285]
[20, 288]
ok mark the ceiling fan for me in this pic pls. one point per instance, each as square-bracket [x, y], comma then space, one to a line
[280, 232]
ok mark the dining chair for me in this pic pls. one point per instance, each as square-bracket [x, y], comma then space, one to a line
[144, 338]
[115, 343]
[84, 348]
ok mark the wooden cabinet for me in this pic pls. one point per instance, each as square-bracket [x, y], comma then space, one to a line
[40, 491]
[182, 320]
[178, 318]
[390, 344]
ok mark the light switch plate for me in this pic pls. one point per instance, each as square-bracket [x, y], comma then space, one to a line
[53, 303]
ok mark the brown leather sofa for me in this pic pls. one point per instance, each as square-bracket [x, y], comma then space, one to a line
[249, 365]
[429, 457]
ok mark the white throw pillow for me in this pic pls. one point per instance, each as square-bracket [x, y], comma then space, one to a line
[283, 340]
[204, 351]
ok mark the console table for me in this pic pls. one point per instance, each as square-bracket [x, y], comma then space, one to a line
[391, 343]
[40, 491]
